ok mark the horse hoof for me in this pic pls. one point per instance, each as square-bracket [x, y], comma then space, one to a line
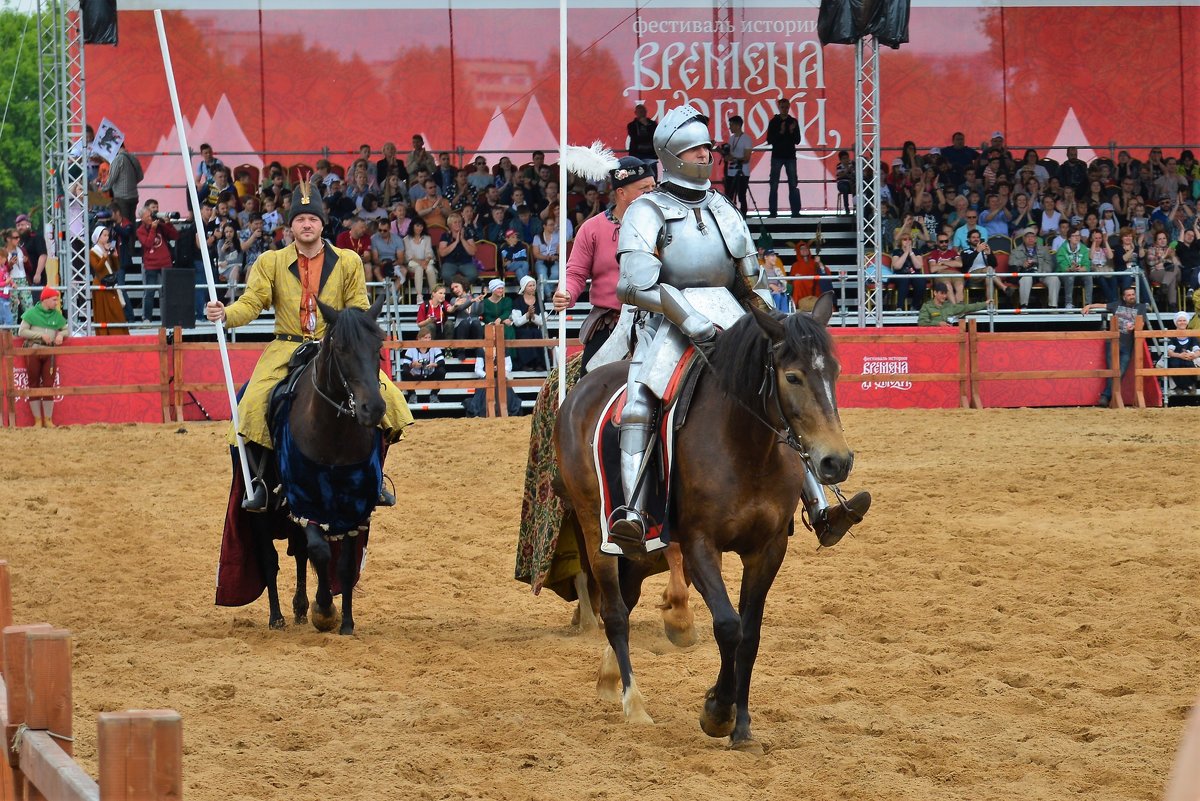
[347, 631]
[301, 619]
[278, 623]
[717, 720]
[325, 620]
[748, 746]
[680, 637]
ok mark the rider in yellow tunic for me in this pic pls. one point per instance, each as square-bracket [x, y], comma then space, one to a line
[275, 282]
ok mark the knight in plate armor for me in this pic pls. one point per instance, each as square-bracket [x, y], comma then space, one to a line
[684, 236]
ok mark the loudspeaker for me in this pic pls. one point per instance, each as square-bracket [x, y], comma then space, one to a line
[178, 298]
[99, 21]
[847, 21]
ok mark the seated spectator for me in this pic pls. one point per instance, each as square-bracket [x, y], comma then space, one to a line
[503, 173]
[514, 257]
[401, 218]
[1183, 350]
[1073, 260]
[969, 226]
[939, 311]
[424, 362]
[1187, 250]
[471, 227]
[1164, 272]
[416, 185]
[387, 252]
[434, 312]
[480, 177]
[546, 250]
[527, 225]
[229, 261]
[456, 252]
[496, 229]
[1030, 256]
[977, 257]
[463, 315]
[390, 165]
[772, 269]
[272, 218]
[1051, 216]
[995, 218]
[589, 207]
[419, 158]
[808, 266]
[275, 188]
[418, 249]
[1102, 264]
[527, 323]
[358, 239]
[460, 193]
[944, 261]
[498, 307]
[370, 210]
[249, 207]
[908, 271]
[393, 189]
[433, 207]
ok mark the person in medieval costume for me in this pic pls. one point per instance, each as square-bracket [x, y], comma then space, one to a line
[685, 236]
[291, 280]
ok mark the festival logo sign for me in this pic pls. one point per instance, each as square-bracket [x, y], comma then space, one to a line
[885, 366]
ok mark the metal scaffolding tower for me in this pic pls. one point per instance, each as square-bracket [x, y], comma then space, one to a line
[64, 158]
[867, 177]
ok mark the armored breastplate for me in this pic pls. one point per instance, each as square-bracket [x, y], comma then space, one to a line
[693, 252]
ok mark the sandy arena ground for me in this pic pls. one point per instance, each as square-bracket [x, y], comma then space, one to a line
[1018, 619]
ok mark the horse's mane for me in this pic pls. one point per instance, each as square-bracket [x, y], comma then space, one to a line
[357, 329]
[740, 357]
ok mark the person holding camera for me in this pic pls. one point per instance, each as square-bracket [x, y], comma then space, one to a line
[108, 304]
[783, 135]
[737, 164]
[155, 232]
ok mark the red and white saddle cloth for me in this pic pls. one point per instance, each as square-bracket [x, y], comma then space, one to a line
[606, 456]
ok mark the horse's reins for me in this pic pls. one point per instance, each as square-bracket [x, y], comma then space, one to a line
[342, 409]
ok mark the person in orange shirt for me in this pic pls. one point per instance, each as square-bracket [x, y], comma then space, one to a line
[809, 264]
[433, 208]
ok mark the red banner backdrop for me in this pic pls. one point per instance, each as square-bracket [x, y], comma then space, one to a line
[890, 363]
[280, 80]
[204, 367]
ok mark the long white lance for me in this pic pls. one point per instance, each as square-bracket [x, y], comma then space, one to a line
[208, 271]
[562, 195]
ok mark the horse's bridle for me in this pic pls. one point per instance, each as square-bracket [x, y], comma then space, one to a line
[347, 408]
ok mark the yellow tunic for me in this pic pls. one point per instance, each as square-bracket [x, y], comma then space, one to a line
[274, 282]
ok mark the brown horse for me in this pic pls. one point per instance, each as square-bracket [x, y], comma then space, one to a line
[765, 405]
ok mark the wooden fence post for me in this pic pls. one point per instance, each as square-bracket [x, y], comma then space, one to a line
[501, 393]
[7, 368]
[48, 690]
[6, 618]
[141, 755]
[1117, 400]
[973, 346]
[965, 362]
[177, 376]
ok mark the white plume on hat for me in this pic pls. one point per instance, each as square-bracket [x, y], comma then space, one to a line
[592, 163]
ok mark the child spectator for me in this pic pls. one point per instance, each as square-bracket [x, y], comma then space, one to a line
[423, 363]
[514, 256]
[433, 313]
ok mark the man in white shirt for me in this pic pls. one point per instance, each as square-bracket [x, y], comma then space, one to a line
[737, 164]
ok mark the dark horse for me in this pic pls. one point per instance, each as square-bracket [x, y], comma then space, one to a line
[736, 488]
[333, 422]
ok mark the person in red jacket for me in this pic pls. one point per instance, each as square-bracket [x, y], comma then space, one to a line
[155, 235]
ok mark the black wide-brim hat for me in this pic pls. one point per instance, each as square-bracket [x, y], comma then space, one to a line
[630, 169]
[307, 200]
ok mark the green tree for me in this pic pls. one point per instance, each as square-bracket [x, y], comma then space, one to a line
[20, 142]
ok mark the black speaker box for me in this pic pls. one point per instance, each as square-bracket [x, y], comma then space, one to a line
[99, 21]
[178, 298]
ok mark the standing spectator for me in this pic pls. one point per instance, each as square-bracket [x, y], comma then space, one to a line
[43, 327]
[418, 249]
[207, 169]
[1130, 256]
[1182, 351]
[514, 257]
[229, 260]
[124, 175]
[107, 303]
[844, 175]
[1127, 310]
[456, 251]
[641, 134]
[423, 363]
[17, 265]
[434, 312]
[389, 165]
[527, 324]
[254, 242]
[783, 135]
[34, 246]
[737, 164]
[155, 236]
[6, 282]
[546, 249]
[419, 158]
[959, 155]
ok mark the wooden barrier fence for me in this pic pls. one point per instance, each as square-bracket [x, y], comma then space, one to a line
[963, 376]
[140, 751]
[975, 336]
[9, 351]
[1141, 334]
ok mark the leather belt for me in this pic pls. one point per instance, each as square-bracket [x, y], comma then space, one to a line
[292, 338]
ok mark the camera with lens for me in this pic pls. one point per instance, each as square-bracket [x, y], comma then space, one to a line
[723, 148]
[167, 215]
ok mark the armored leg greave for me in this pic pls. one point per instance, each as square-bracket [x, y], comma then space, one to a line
[629, 526]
